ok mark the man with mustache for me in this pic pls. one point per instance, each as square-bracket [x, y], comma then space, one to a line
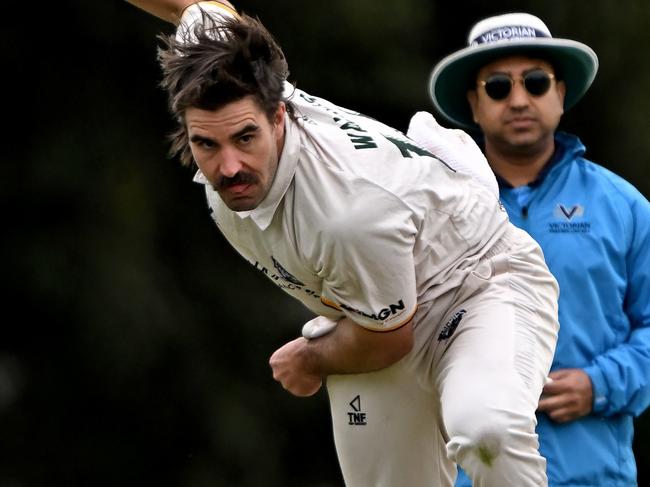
[436, 319]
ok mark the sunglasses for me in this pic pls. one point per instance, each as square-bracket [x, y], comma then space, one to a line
[498, 86]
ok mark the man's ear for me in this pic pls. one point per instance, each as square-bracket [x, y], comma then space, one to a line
[561, 92]
[279, 113]
[472, 99]
[278, 120]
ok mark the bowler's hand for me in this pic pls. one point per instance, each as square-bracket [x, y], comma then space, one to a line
[291, 367]
[568, 397]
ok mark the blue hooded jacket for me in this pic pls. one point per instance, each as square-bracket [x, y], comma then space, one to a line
[594, 229]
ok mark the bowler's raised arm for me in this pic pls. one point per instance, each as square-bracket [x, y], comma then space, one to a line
[169, 10]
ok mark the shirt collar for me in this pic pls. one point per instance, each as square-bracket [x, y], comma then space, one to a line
[263, 213]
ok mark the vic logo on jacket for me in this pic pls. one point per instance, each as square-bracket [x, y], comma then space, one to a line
[568, 212]
[570, 219]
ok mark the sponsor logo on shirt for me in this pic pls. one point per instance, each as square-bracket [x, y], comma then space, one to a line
[288, 282]
[569, 219]
[383, 314]
[451, 325]
[285, 274]
[284, 279]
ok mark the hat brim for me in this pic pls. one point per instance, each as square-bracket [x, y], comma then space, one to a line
[452, 77]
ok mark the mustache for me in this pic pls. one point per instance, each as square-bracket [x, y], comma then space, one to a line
[524, 113]
[239, 178]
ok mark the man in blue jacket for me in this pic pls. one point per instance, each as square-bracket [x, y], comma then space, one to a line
[514, 81]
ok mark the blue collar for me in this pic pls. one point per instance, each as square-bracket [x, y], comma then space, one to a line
[567, 146]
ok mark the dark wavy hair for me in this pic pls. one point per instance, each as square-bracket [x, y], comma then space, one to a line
[218, 62]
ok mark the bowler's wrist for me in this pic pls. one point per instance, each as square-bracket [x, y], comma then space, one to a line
[193, 10]
[203, 14]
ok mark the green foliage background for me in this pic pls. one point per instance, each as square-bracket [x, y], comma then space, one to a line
[135, 340]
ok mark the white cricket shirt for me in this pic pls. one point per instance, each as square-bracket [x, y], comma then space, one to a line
[359, 221]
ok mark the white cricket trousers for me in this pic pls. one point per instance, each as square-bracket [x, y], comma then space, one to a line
[467, 392]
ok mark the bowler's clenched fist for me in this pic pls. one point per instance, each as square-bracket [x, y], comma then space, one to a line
[293, 366]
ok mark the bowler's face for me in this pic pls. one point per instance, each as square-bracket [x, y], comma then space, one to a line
[237, 149]
[521, 121]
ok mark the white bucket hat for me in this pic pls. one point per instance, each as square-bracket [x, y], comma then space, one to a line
[500, 36]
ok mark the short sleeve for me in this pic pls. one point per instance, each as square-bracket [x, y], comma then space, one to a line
[367, 260]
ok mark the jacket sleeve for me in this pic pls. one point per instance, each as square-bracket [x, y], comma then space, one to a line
[621, 376]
